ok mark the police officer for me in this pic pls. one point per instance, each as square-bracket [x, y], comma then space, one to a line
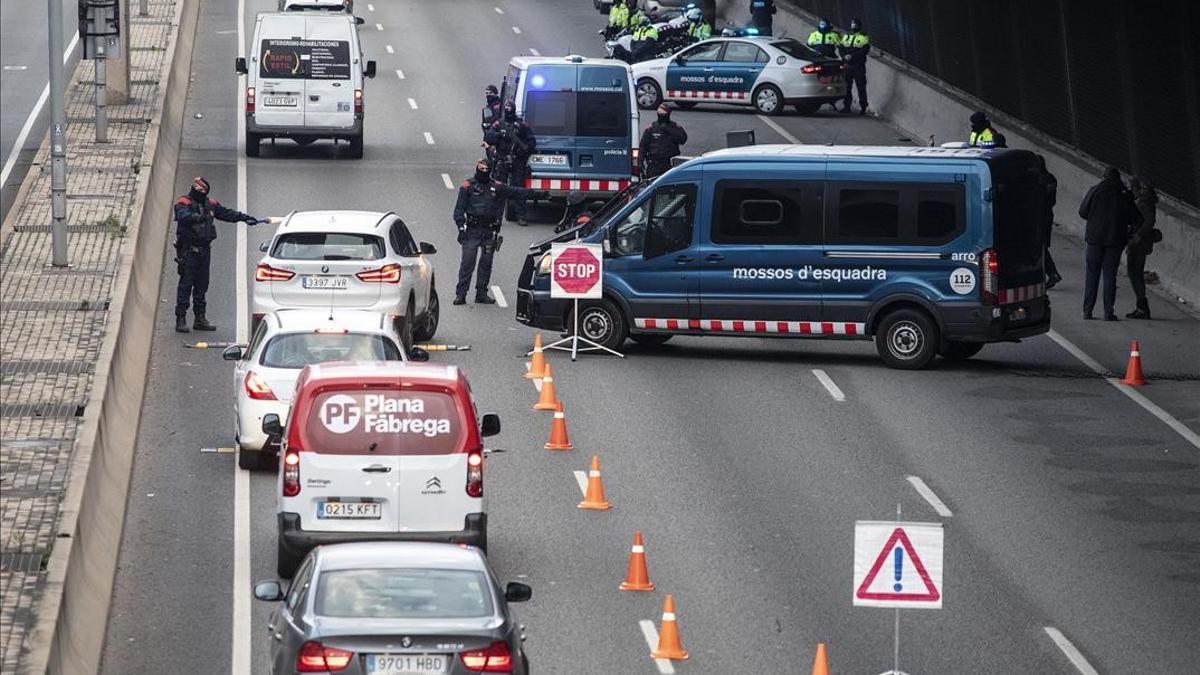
[575, 214]
[982, 133]
[194, 235]
[761, 15]
[825, 40]
[477, 215]
[492, 95]
[856, 44]
[660, 142]
[512, 143]
[645, 39]
[698, 28]
[618, 16]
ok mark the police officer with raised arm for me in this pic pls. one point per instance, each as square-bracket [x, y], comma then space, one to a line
[512, 142]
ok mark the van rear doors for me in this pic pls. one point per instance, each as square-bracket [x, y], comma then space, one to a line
[330, 88]
[305, 67]
[281, 71]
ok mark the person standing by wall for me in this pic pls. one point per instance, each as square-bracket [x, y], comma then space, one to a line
[856, 44]
[1141, 244]
[1049, 186]
[762, 13]
[1109, 211]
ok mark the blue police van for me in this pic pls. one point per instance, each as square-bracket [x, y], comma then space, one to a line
[927, 251]
[584, 116]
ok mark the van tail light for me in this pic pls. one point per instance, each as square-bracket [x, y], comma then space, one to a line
[637, 170]
[475, 475]
[989, 270]
[257, 388]
[249, 99]
[265, 272]
[314, 657]
[291, 472]
[388, 274]
[810, 69]
[495, 659]
[358, 101]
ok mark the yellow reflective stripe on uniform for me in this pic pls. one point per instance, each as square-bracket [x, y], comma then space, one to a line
[855, 39]
[981, 137]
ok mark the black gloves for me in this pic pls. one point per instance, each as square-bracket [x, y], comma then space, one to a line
[462, 232]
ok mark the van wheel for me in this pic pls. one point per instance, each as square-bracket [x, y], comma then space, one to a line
[429, 320]
[286, 562]
[601, 322]
[650, 339]
[648, 94]
[356, 147]
[907, 339]
[253, 144]
[959, 351]
[768, 100]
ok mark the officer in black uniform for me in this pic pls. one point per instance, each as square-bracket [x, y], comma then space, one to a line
[512, 143]
[477, 215]
[762, 15]
[492, 95]
[660, 142]
[194, 235]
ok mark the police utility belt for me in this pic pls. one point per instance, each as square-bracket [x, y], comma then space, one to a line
[488, 223]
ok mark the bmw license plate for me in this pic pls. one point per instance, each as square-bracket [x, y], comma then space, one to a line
[406, 664]
[348, 511]
[548, 160]
[326, 283]
[280, 101]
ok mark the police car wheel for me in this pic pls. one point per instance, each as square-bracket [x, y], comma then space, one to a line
[768, 100]
[907, 339]
[959, 351]
[601, 322]
[648, 94]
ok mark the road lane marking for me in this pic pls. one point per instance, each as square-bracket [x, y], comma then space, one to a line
[1134, 395]
[400, 73]
[240, 657]
[429, 138]
[389, 49]
[16, 68]
[651, 634]
[499, 295]
[23, 135]
[412, 104]
[498, 10]
[780, 130]
[580, 476]
[1073, 655]
[447, 182]
[830, 385]
[534, 52]
[925, 491]
[378, 26]
[517, 30]
[370, 8]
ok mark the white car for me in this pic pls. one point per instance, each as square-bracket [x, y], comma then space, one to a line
[282, 344]
[346, 6]
[349, 260]
[765, 72]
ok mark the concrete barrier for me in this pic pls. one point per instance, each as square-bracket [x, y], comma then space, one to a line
[930, 111]
[73, 614]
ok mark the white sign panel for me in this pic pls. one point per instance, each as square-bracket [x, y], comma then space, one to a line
[897, 564]
[576, 270]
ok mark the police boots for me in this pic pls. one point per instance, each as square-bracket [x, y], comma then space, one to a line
[201, 323]
[181, 324]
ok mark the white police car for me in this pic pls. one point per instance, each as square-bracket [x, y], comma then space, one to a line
[767, 73]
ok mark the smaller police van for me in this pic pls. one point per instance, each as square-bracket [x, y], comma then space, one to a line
[927, 251]
[583, 113]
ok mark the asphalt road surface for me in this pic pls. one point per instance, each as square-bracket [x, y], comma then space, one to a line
[1071, 521]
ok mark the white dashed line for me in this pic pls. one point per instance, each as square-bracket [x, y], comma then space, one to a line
[412, 104]
[1081, 664]
[651, 634]
[517, 30]
[925, 491]
[534, 52]
[580, 476]
[370, 8]
[16, 68]
[829, 384]
[780, 130]
[499, 295]
[429, 138]
[447, 182]
[389, 49]
[378, 26]
[499, 11]
[400, 73]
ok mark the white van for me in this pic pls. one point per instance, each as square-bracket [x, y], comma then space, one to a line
[304, 80]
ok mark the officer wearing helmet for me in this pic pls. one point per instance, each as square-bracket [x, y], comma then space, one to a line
[825, 40]
[477, 215]
[698, 28]
[660, 142]
[645, 39]
[511, 142]
[194, 235]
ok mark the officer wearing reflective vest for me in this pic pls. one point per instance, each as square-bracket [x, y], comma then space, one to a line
[982, 133]
[698, 28]
[825, 40]
[645, 37]
[619, 16]
[856, 44]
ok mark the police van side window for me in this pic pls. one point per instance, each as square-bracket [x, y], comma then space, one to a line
[940, 215]
[867, 215]
[767, 212]
[896, 214]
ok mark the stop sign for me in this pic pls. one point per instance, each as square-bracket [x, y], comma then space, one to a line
[576, 270]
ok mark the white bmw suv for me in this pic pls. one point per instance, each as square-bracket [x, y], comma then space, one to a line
[350, 260]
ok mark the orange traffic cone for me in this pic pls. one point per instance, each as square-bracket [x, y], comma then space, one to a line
[637, 576]
[668, 634]
[821, 663]
[558, 432]
[1133, 371]
[594, 499]
[547, 400]
[537, 366]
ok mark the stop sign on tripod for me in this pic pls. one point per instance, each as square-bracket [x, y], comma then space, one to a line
[576, 270]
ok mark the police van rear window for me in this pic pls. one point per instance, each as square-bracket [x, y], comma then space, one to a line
[327, 246]
[578, 101]
[304, 59]
[398, 421]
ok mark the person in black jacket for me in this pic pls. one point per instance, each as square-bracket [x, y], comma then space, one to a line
[1110, 213]
[856, 44]
[660, 142]
[512, 142]
[194, 235]
[1049, 185]
[762, 13]
[1141, 244]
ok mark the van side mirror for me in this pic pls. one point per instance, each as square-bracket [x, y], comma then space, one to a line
[370, 71]
[427, 248]
[358, 21]
[271, 425]
[418, 355]
[234, 353]
[490, 425]
[517, 592]
[239, 65]
[269, 591]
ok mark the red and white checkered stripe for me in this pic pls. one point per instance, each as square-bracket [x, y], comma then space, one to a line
[710, 95]
[751, 326]
[1022, 293]
[585, 185]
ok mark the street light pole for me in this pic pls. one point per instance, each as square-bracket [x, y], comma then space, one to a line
[58, 138]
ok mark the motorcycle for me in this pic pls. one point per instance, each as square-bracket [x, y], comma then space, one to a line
[672, 36]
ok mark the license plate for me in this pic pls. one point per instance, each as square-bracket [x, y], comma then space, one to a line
[326, 283]
[348, 510]
[281, 101]
[406, 664]
[548, 160]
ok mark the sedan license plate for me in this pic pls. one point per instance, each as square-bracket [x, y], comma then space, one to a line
[348, 510]
[280, 101]
[326, 283]
[406, 664]
[548, 160]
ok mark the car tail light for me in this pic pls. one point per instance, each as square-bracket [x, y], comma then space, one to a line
[265, 272]
[314, 657]
[475, 474]
[257, 388]
[249, 99]
[810, 69]
[358, 101]
[495, 659]
[388, 274]
[291, 472]
[989, 269]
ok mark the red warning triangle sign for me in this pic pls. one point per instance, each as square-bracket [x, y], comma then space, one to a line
[898, 536]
